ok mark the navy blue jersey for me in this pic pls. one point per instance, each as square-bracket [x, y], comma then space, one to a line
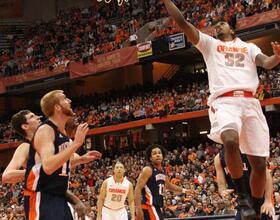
[37, 180]
[246, 170]
[152, 193]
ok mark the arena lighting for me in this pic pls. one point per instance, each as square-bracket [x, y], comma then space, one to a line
[120, 2]
[185, 123]
[171, 128]
[203, 132]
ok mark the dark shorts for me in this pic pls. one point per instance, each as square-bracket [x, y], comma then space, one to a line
[44, 206]
[152, 212]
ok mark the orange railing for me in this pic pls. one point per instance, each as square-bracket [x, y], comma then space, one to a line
[143, 122]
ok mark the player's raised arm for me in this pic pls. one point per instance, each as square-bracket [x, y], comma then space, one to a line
[272, 61]
[44, 144]
[190, 31]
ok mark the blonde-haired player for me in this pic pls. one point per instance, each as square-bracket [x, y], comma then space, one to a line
[113, 193]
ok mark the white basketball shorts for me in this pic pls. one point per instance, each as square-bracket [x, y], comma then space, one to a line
[110, 214]
[246, 116]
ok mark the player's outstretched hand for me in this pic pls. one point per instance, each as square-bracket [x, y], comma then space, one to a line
[90, 156]
[225, 193]
[186, 191]
[276, 48]
[268, 209]
[80, 209]
[81, 132]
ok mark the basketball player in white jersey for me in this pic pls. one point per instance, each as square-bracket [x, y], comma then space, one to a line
[236, 116]
[113, 193]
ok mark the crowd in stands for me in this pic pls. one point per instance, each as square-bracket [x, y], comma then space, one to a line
[183, 93]
[269, 84]
[80, 34]
[207, 13]
[190, 166]
[143, 102]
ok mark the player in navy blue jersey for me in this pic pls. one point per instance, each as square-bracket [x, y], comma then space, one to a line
[226, 185]
[151, 184]
[46, 177]
[25, 123]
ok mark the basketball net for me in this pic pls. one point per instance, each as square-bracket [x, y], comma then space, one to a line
[120, 2]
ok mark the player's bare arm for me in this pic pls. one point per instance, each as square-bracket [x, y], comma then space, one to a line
[13, 173]
[101, 199]
[131, 201]
[221, 181]
[44, 145]
[190, 31]
[267, 206]
[86, 158]
[141, 182]
[267, 62]
[77, 204]
[174, 188]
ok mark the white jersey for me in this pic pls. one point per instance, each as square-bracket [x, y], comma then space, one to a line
[116, 193]
[231, 65]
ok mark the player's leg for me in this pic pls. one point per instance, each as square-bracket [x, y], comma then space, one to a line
[266, 217]
[255, 144]
[225, 116]
[160, 214]
[146, 214]
[54, 207]
[26, 206]
[230, 138]
[151, 213]
[257, 181]
[32, 203]
[226, 121]
[106, 213]
[68, 213]
[234, 163]
[122, 215]
[238, 215]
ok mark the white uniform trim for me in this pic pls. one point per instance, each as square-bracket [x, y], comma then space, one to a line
[36, 171]
[148, 191]
[155, 212]
[37, 203]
